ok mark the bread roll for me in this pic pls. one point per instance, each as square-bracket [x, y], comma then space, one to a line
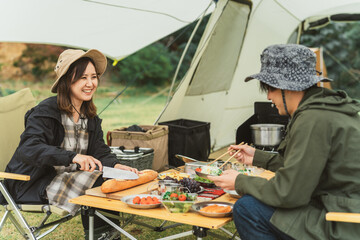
[115, 185]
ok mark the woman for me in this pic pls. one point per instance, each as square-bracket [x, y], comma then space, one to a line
[61, 132]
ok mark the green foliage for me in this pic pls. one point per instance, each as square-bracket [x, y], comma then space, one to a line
[152, 65]
[39, 60]
[155, 64]
[341, 44]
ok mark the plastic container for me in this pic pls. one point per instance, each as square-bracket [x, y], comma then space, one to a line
[178, 206]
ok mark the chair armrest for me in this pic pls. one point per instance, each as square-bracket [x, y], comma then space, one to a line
[14, 176]
[343, 217]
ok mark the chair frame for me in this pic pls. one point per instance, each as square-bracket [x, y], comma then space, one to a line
[13, 212]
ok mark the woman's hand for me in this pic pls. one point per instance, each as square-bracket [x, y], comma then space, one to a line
[127, 168]
[245, 156]
[87, 163]
[226, 180]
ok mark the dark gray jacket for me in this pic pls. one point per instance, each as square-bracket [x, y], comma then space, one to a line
[39, 150]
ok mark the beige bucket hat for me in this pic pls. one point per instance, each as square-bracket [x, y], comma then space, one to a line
[69, 56]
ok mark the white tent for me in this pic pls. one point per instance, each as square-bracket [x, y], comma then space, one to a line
[117, 28]
[213, 89]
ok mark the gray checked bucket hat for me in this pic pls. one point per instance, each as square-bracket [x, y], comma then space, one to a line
[69, 56]
[288, 67]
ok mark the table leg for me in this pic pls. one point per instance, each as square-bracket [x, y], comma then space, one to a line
[114, 225]
[91, 223]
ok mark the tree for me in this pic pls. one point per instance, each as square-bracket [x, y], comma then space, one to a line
[39, 60]
[341, 44]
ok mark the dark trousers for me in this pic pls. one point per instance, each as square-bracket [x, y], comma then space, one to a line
[252, 220]
[98, 222]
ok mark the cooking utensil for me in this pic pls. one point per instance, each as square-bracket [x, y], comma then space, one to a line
[267, 135]
[198, 206]
[223, 155]
[230, 158]
[109, 172]
[129, 201]
[185, 159]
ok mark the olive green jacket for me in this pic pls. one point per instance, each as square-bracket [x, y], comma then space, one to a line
[317, 168]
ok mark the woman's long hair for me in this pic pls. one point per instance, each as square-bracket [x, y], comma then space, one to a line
[75, 72]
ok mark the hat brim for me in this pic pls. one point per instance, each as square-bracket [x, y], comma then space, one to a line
[98, 58]
[281, 82]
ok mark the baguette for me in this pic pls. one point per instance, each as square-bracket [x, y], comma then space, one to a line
[115, 185]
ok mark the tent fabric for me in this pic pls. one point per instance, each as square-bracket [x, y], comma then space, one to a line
[217, 65]
[117, 28]
[271, 22]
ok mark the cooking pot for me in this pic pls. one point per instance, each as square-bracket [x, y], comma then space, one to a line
[267, 135]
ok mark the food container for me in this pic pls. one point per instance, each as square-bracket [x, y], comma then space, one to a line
[191, 166]
[198, 206]
[129, 201]
[162, 185]
[177, 206]
[267, 135]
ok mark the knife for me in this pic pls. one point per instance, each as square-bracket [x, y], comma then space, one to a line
[109, 172]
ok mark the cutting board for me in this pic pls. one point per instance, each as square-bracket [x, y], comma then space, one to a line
[141, 189]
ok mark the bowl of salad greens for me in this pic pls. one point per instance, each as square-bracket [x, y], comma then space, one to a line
[204, 182]
[178, 202]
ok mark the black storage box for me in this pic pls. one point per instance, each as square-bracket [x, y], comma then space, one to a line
[189, 138]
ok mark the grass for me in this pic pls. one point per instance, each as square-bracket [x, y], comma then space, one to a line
[72, 230]
[134, 106]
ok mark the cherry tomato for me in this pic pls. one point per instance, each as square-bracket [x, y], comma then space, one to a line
[136, 200]
[182, 197]
[198, 169]
[143, 200]
[173, 195]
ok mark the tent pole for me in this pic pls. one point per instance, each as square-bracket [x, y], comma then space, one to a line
[299, 33]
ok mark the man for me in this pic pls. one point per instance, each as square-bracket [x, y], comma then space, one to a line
[317, 167]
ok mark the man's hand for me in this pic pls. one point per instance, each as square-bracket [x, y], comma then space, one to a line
[87, 163]
[127, 168]
[226, 180]
[245, 156]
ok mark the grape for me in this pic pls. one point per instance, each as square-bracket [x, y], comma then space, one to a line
[191, 184]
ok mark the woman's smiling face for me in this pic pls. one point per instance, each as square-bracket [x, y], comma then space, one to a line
[84, 88]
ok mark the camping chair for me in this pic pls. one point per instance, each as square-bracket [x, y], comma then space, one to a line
[12, 112]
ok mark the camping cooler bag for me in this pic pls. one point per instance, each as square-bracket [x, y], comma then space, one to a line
[155, 137]
[140, 158]
[189, 138]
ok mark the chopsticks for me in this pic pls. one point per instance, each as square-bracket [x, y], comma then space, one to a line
[232, 156]
[223, 155]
